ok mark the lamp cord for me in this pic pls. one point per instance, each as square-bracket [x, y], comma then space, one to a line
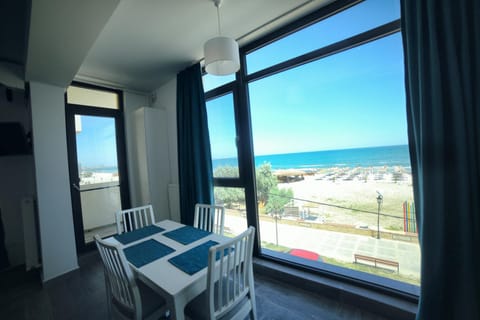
[218, 20]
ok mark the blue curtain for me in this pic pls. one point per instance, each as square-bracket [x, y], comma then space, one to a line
[194, 157]
[442, 54]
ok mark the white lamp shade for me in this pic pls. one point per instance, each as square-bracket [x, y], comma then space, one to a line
[221, 56]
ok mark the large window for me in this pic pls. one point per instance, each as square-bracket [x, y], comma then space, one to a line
[323, 123]
[334, 135]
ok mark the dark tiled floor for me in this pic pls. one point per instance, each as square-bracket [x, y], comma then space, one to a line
[82, 296]
[276, 300]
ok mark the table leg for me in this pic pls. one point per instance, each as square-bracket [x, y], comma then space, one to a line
[177, 308]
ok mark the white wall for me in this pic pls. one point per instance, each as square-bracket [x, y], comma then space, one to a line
[60, 35]
[17, 178]
[139, 167]
[166, 99]
[131, 102]
[17, 182]
[58, 249]
[153, 165]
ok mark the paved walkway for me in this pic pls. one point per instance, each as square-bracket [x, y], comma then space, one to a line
[336, 245]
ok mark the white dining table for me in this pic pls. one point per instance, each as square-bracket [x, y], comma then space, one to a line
[177, 287]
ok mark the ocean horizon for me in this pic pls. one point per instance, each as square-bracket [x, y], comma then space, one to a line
[349, 158]
[103, 169]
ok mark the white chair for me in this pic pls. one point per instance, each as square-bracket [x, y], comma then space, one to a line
[127, 298]
[134, 218]
[209, 217]
[230, 290]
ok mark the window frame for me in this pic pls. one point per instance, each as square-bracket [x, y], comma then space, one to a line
[246, 178]
[83, 85]
[229, 88]
[117, 114]
[246, 165]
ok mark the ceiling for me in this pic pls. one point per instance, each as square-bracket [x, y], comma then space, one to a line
[133, 44]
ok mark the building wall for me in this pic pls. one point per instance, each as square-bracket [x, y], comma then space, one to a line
[131, 102]
[152, 170]
[100, 201]
[17, 182]
[49, 167]
[17, 178]
[58, 249]
[166, 99]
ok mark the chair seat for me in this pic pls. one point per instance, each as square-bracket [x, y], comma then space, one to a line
[197, 310]
[152, 303]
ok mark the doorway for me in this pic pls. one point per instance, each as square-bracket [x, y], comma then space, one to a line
[97, 161]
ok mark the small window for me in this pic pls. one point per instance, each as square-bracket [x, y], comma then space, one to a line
[92, 97]
[360, 18]
[221, 126]
[211, 82]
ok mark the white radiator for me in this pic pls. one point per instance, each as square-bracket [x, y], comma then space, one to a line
[30, 236]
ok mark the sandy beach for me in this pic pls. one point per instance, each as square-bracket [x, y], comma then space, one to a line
[353, 189]
[89, 177]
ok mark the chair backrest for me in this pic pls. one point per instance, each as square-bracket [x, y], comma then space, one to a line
[209, 217]
[230, 276]
[134, 218]
[119, 278]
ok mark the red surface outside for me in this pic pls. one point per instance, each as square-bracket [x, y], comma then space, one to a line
[305, 254]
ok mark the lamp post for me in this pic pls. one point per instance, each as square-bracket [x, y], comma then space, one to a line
[276, 216]
[379, 202]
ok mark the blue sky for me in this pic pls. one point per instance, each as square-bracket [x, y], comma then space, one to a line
[96, 144]
[352, 99]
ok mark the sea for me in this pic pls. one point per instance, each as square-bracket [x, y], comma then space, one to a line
[385, 156]
[111, 169]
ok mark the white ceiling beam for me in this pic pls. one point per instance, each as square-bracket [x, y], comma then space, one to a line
[61, 34]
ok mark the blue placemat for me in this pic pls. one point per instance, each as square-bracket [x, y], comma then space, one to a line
[129, 237]
[145, 252]
[193, 260]
[187, 234]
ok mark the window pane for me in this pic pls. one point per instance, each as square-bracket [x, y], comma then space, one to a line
[221, 127]
[92, 97]
[211, 82]
[235, 213]
[98, 173]
[329, 138]
[96, 149]
[358, 19]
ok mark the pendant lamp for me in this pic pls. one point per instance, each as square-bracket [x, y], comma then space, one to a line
[221, 53]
